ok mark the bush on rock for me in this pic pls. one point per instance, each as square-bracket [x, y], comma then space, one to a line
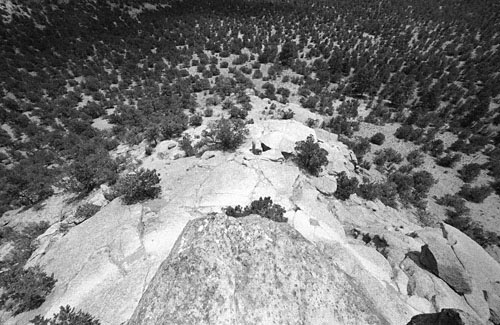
[263, 207]
[310, 156]
[139, 186]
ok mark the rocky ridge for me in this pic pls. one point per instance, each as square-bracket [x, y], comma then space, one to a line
[106, 264]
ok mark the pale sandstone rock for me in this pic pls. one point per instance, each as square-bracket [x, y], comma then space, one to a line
[326, 185]
[250, 271]
[426, 285]
[439, 258]
[422, 305]
[485, 271]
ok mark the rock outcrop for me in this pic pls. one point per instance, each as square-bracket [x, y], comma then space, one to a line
[103, 265]
[251, 270]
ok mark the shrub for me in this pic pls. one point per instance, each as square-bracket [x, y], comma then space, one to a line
[475, 194]
[86, 211]
[138, 186]
[90, 171]
[257, 74]
[449, 160]
[469, 172]
[378, 138]
[310, 156]
[236, 112]
[67, 316]
[474, 231]
[404, 132]
[435, 148]
[195, 120]
[386, 192]
[187, 145]
[422, 182]
[455, 202]
[495, 185]
[286, 115]
[340, 125]
[263, 207]
[361, 147]
[173, 125]
[24, 289]
[345, 186]
[208, 112]
[225, 134]
[415, 158]
[387, 155]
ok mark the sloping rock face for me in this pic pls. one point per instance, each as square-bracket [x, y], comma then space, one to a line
[251, 270]
[484, 270]
[438, 257]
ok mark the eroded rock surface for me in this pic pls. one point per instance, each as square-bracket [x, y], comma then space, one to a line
[251, 270]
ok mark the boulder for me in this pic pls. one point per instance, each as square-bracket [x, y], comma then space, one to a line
[445, 317]
[484, 270]
[250, 270]
[326, 185]
[280, 135]
[439, 258]
[426, 285]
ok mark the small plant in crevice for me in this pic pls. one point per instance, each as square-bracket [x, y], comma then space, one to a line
[263, 207]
